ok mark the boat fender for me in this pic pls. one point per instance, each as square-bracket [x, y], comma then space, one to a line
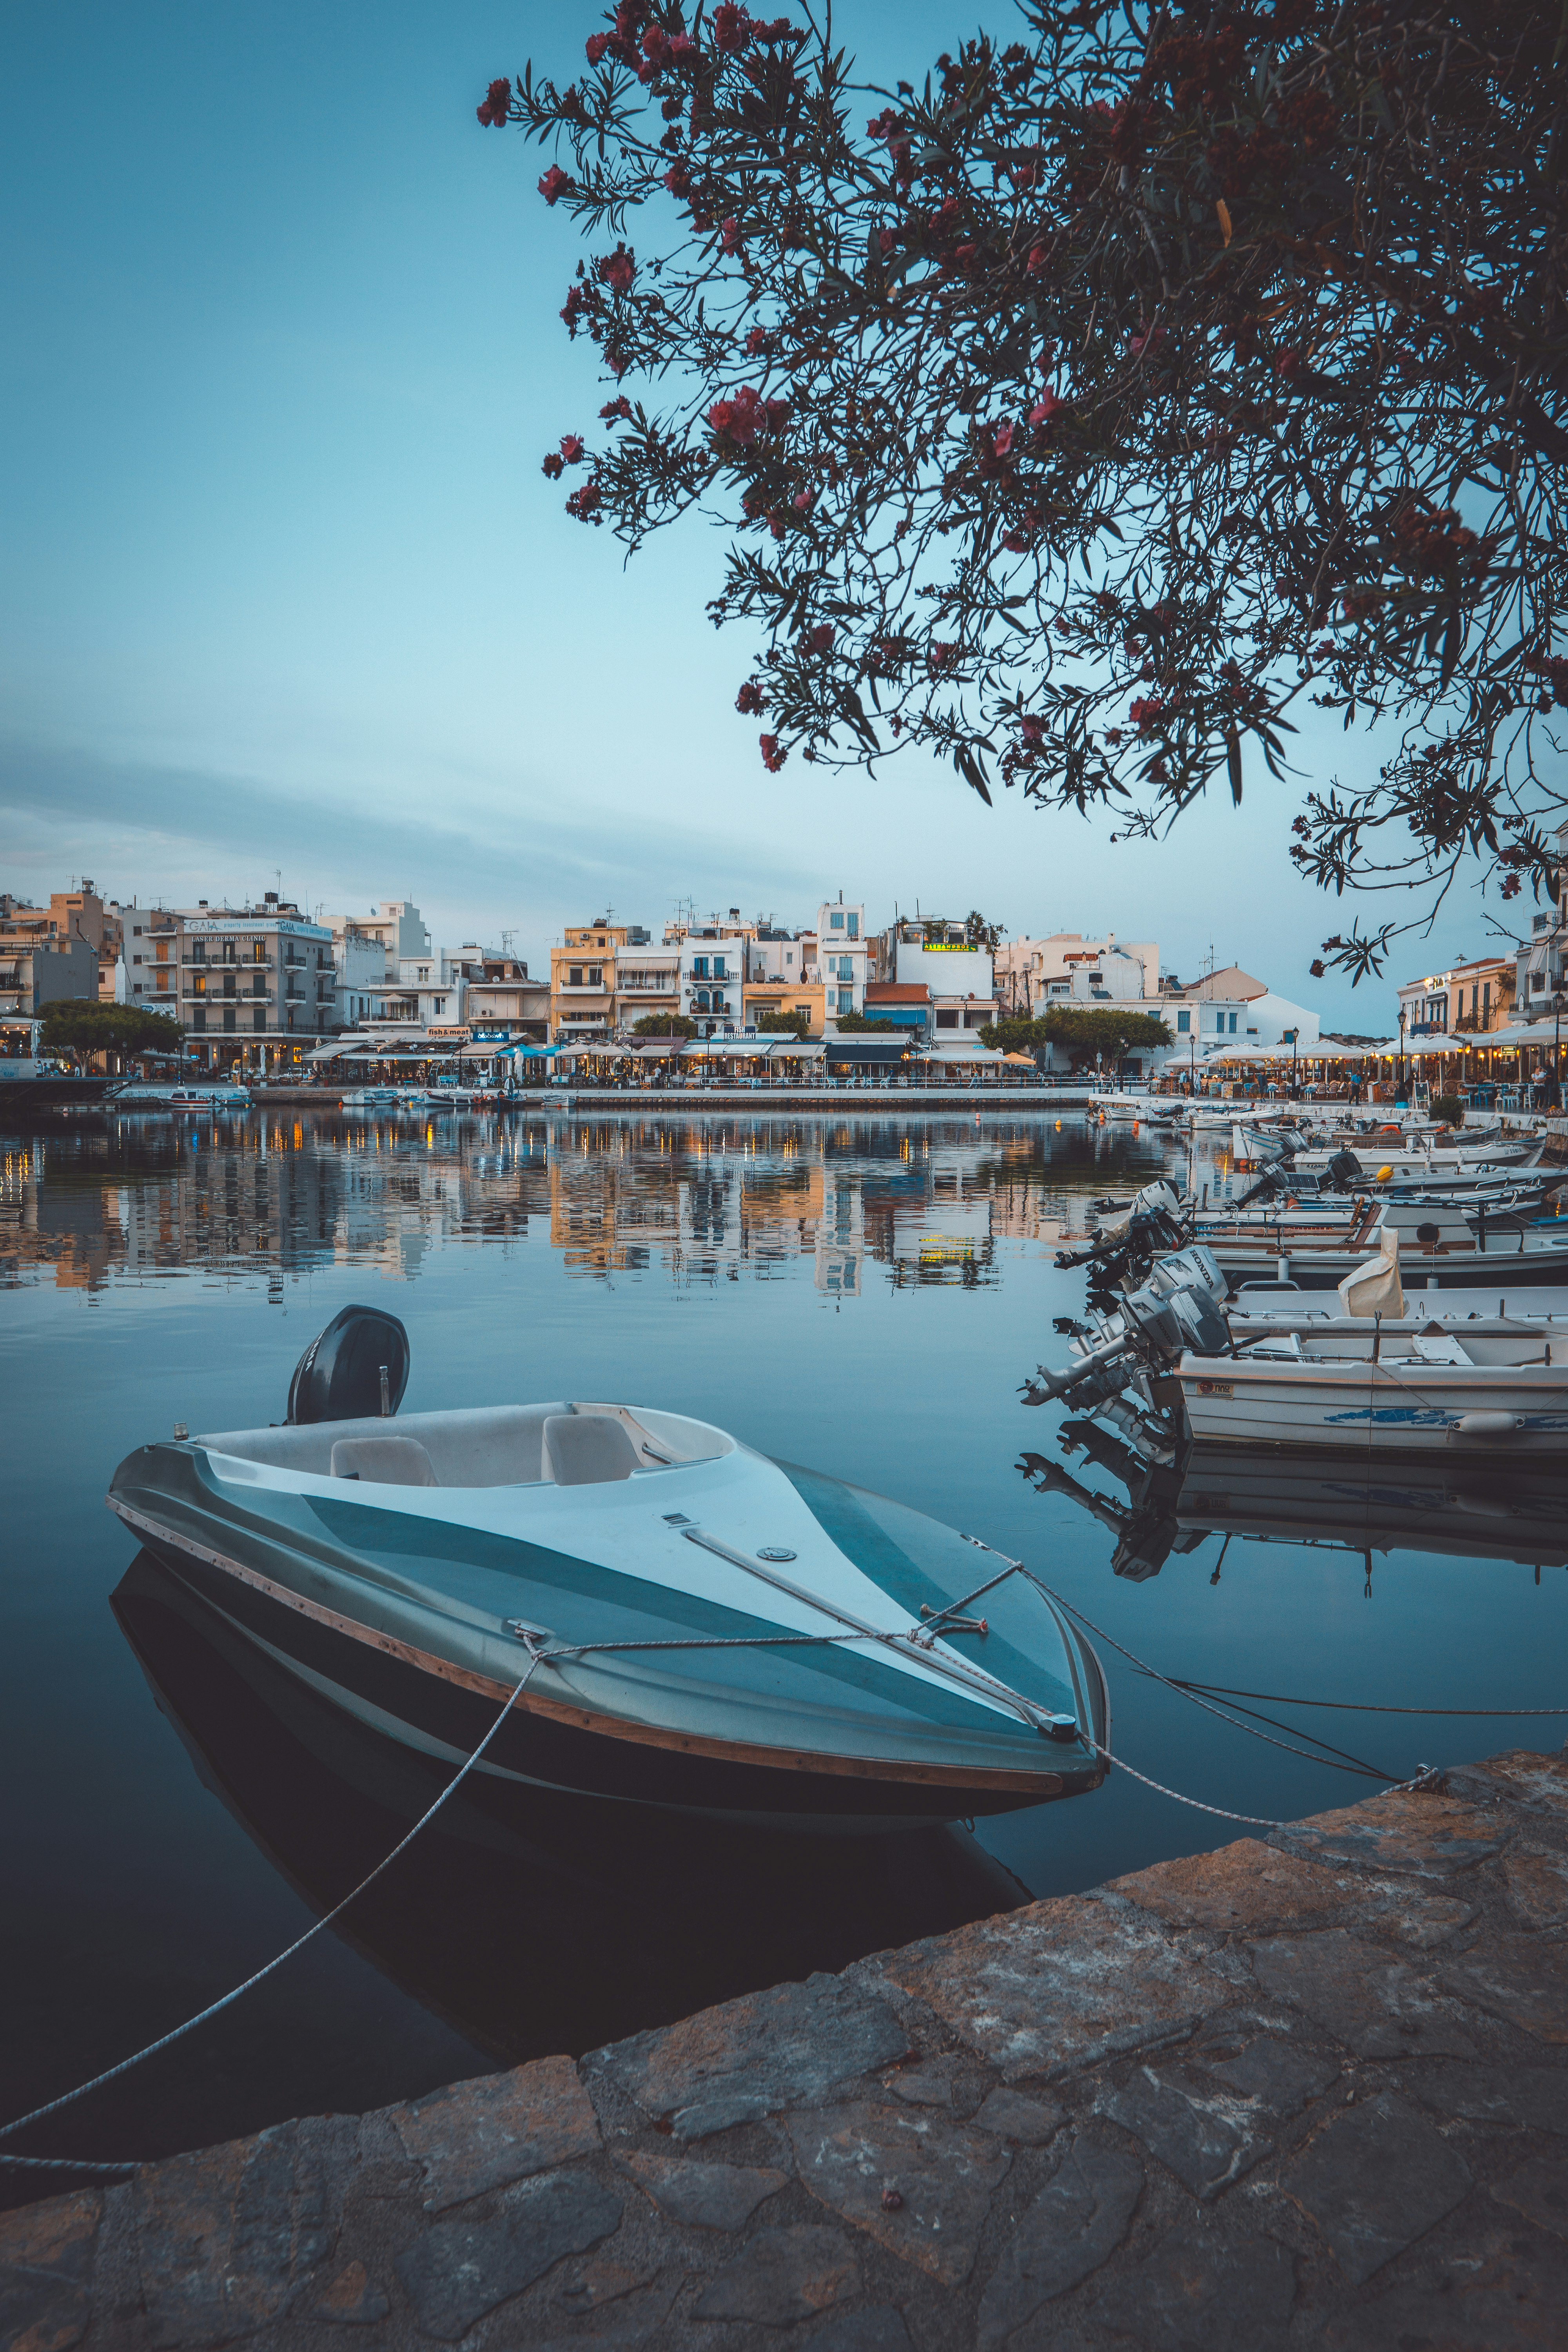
[1485, 1424]
[1383, 1174]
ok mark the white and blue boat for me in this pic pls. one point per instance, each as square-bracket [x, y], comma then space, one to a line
[715, 1632]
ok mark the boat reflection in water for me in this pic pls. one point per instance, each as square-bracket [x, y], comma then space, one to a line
[534, 1922]
[1515, 1511]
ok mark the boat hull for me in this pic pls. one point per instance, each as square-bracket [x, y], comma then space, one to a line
[1396, 1410]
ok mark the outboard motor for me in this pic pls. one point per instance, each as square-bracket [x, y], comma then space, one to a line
[1344, 1173]
[1195, 1267]
[356, 1369]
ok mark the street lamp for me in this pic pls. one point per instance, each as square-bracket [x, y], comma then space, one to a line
[1557, 1000]
[1399, 1062]
[1290, 1037]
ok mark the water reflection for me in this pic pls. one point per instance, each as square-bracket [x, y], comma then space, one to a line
[557, 1924]
[1509, 1511]
[701, 1199]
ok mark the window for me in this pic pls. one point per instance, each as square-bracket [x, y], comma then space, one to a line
[699, 967]
[1233, 1024]
[199, 984]
[162, 950]
[946, 1020]
[228, 1019]
[789, 955]
[438, 1005]
[702, 1000]
[596, 975]
[258, 985]
[846, 1000]
[199, 1017]
[136, 932]
[719, 1003]
[836, 919]
[135, 959]
[259, 1018]
[1183, 1024]
[721, 970]
[854, 927]
[574, 975]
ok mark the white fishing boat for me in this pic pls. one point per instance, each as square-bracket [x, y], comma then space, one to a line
[1482, 1387]
[1149, 1110]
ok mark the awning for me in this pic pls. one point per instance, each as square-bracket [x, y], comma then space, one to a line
[866, 1049]
[520, 1047]
[797, 1049]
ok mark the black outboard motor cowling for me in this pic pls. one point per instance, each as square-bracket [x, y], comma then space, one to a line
[355, 1369]
[1344, 1173]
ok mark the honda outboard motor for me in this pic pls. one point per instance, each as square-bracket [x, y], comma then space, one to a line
[1195, 1266]
[355, 1369]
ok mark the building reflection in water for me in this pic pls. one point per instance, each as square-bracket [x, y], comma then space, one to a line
[701, 1199]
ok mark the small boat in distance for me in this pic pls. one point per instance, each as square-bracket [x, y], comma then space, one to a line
[715, 1632]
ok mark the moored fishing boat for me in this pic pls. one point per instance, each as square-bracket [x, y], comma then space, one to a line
[715, 1632]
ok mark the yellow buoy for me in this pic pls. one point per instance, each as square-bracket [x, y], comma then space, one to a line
[1383, 1174]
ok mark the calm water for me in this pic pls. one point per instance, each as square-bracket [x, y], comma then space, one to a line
[861, 1294]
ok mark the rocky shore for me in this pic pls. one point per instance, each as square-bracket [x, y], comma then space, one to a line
[1309, 2091]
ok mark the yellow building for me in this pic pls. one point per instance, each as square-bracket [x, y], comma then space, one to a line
[759, 997]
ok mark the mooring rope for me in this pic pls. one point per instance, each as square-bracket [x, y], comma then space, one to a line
[110, 2074]
[920, 1639]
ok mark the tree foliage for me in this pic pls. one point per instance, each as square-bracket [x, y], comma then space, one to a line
[664, 1024]
[785, 1023]
[87, 1025]
[1086, 410]
[1097, 1030]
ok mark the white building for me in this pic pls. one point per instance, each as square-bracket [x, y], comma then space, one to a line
[712, 973]
[844, 956]
[960, 979]
[1231, 1008]
[1068, 969]
[261, 979]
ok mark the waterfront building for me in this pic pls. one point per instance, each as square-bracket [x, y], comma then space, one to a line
[1477, 995]
[253, 983]
[1540, 959]
[843, 959]
[763, 998]
[937, 954]
[54, 953]
[503, 999]
[712, 972]
[1229, 1007]
[905, 1002]
[1068, 969]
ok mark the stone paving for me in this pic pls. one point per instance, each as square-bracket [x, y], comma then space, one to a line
[1306, 2092]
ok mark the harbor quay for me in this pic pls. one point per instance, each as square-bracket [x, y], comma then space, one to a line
[1308, 2089]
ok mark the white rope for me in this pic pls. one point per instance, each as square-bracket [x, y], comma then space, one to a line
[68, 2098]
[1427, 1777]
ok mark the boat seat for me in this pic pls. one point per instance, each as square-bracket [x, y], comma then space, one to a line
[588, 1449]
[383, 1461]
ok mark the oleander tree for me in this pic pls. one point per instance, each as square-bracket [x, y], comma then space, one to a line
[1084, 413]
[88, 1025]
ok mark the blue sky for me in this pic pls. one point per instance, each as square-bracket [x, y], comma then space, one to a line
[283, 586]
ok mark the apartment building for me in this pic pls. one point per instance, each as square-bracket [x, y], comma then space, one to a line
[1230, 1007]
[1477, 995]
[1068, 969]
[606, 976]
[259, 978]
[843, 959]
[933, 953]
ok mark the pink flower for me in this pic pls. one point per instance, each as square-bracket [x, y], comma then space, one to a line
[682, 50]
[497, 104]
[1045, 407]
[756, 344]
[583, 503]
[552, 465]
[617, 269]
[820, 639]
[732, 29]
[616, 411]
[730, 235]
[555, 184]
[744, 416]
[656, 46]
[802, 502]
[750, 702]
[773, 756]
[572, 448]
[596, 46]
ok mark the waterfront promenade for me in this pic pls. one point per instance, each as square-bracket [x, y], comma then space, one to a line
[1308, 2089]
